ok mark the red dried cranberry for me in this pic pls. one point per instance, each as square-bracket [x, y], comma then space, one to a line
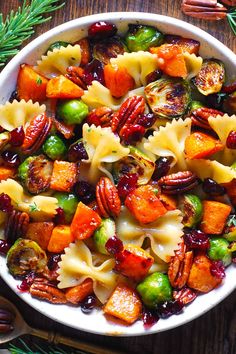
[114, 245]
[217, 269]
[5, 203]
[4, 247]
[153, 76]
[88, 304]
[196, 239]
[231, 140]
[84, 191]
[127, 184]
[59, 218]
[77, 152]
[149, 317]
[27, 282]
[229, 88]
[53, 261]
[93, 71]
[17, 136]
[11, 159]
[102, 29]
[162, 167]
[133, 133]
[147, 120]
[211, 187]
[170, 308]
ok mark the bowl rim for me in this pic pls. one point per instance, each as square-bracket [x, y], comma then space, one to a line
[85, 21]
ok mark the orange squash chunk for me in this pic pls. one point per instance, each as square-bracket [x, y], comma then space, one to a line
[85, 222]
[133, 262]
[214, 217]
[118, 80]
[64, 176]
[7, 172]
[145, 205]
[31, 85]
[169, 202]
[40, 232]
[200, 277]
[79, 292]
[61, 87]
[124, 304]
[199, 146]
[60, 239]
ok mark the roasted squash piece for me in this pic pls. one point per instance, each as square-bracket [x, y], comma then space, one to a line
[40, 232]
[7, 172]
[79, 292]
[118, 80]
[185, 44]
[61, 87]
[124, 304]
[214, 217]
[199, 146]
[64, 176]
[61, 238]
[168, 201]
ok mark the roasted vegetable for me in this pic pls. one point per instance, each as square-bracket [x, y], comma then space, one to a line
[186, 44]
[141, 37]
[195, 105]
[168, 97]
[40, 232]
[135, 162]
[214, 217]
[191, 207]
[155, 289]
[199, 145]
[54, 147]
[72, 111]
[219, 250]
[113, 78]
[68, 202]
[63, 88]
[57, 45]
[106, 230]
[26, 256]
[211, 77]
[60, 238]
[64, 176]
[7, 172]
[79, 292]
[108, 48]
[24, 168]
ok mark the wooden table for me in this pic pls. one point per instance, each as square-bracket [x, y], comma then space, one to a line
[214, 332]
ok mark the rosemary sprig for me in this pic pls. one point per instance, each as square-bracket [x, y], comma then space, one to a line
[231, 17]
[18, 25]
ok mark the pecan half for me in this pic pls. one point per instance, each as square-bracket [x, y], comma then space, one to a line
[44, 290]
[179, 182]
[6, 321]
[16, 225]
[75, 74]
[200, 116]
[229, 2]
[36, 133]
[204, 9]
[179, 268]
[100, 116]
[185, 295]
[107, 198]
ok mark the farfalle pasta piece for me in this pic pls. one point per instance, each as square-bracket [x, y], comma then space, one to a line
[15, 114]
[223, 125]
[170, 141]
[164, 234]
[138, 64]
[102, 146]
[39, 207]
[56, 61]
[77, 264]
[193, 64]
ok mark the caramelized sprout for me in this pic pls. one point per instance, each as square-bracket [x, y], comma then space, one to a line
[141, 37]
[106, 230]
[108, 48]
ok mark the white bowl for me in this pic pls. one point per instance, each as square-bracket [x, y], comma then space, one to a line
[72, 31]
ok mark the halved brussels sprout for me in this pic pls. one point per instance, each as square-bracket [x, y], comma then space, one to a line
[54, 147]
[106, 230]
[108, 48]
[25, 256]
[211, 77]
[191, 207]
[135, 162]
[141, 37]
[68, 202]
[195, 105]
[168, 97]
[219, 250]
[24, 168]
[57, 45]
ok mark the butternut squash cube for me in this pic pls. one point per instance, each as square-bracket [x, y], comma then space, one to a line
[64, 176]
[40, 232]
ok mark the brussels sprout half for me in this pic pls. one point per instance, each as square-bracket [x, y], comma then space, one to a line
[54, 147]
[191, 207]
[106, 230]
[72, 111]
[168, 97]
[141, 37]
[211, 77]
[135, 162]
[108, 48]
[68, 202]
[25, 256]
[219, 250]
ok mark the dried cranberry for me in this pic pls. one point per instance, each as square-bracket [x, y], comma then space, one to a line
[114, 245]
[162, 167]
[133, 133]
[5, 203]
[77, 152]
[149, 317]
[102, 29]
[229, 88]
[231, 140]
[196, 239]
[211, 187]
[27, 282]
[147, 120]
[84, 191]
[127, 184]
[217, 269]
[170, 308]
[10, 158]
[93, 71]
[153, 76]
[59, 218]
[53, 261]
[88, 304]
[4, 247]
[17, 136]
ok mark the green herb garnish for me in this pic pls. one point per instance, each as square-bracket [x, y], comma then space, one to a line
[231, 17]
[38, 81]
[33, 207]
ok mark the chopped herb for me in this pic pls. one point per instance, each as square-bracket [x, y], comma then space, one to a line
[231, 220]
[38, 81]
[33, 207]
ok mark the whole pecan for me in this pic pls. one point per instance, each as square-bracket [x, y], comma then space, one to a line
[45, 290]
[36, 133]
[185, 295]
[6, 321]
[107, 198]
[16, 225]
[179, 268]
[100, 116]
[75, 74]
[200, 116]
[204, 9]
[179, 182]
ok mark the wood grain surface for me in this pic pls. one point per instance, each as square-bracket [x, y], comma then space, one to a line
[215, 331]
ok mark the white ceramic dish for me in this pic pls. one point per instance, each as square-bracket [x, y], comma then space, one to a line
[71, 31]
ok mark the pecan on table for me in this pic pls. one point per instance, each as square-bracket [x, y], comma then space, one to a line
[204, 9]
[179, 182]
[184, 295]
[107, 198]
[200, 116]
[179, 268]
[16, 225]
[100, 116]
[6, 321]
[45, 290]
[229, 2]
